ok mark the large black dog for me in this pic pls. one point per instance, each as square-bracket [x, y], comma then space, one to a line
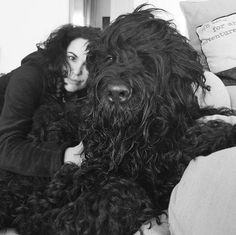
[142, 128]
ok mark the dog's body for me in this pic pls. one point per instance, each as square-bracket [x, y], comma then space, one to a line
[143, 128]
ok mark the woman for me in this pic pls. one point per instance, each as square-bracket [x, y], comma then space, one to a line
[56, 72]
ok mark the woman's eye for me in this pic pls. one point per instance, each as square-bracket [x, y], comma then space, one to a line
[71, 58]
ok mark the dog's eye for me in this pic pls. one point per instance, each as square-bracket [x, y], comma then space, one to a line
[109, 59]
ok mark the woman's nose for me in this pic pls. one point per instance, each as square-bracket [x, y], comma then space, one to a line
[78, 68]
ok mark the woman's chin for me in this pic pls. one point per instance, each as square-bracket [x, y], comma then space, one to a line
[73, 88]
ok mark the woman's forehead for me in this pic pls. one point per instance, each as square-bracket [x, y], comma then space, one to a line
[78, 46]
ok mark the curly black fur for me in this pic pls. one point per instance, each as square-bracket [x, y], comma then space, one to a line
[60, 122]
[112, 206]
[143, 128]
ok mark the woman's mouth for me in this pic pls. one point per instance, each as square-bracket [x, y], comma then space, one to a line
[74, 82]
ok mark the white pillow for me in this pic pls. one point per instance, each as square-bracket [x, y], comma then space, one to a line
[217, 97]
[218, 42]
[204, 201]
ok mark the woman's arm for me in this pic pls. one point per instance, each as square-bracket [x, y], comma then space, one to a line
[17, 152]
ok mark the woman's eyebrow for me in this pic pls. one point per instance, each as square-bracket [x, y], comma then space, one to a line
[69, 52]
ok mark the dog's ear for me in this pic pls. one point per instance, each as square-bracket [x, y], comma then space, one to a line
[90, 59]
[148, 62]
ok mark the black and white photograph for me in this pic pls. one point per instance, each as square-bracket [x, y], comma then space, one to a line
[117, 117]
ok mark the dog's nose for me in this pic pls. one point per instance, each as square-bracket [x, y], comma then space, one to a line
[118, 93]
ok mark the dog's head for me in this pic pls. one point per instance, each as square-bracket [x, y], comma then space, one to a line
[141, 68]
[142, 74]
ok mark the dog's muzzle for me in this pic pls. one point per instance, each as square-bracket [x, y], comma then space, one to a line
[118, 93]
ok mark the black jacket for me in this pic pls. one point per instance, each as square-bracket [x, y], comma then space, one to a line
[23, 95]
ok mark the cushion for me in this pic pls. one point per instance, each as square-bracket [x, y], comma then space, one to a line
[218, 39]
[217, 97]
[197, 12]
[228, 76]
[204, 201]
[232, 94]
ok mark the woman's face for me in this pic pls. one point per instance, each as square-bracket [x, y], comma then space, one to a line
[77, 73]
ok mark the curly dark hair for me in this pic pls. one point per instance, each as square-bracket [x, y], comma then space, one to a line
[54, 49]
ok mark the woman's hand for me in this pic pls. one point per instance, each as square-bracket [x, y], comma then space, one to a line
[74, 154]
[155, 229]
[229, 119]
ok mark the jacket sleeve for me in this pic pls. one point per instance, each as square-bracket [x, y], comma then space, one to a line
[18, 153]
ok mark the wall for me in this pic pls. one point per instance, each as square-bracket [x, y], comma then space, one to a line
[103, 8]
[23, 23]
[114, 8]
[76, 12]
[174, 12]
[172, 6]
[119, 7]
